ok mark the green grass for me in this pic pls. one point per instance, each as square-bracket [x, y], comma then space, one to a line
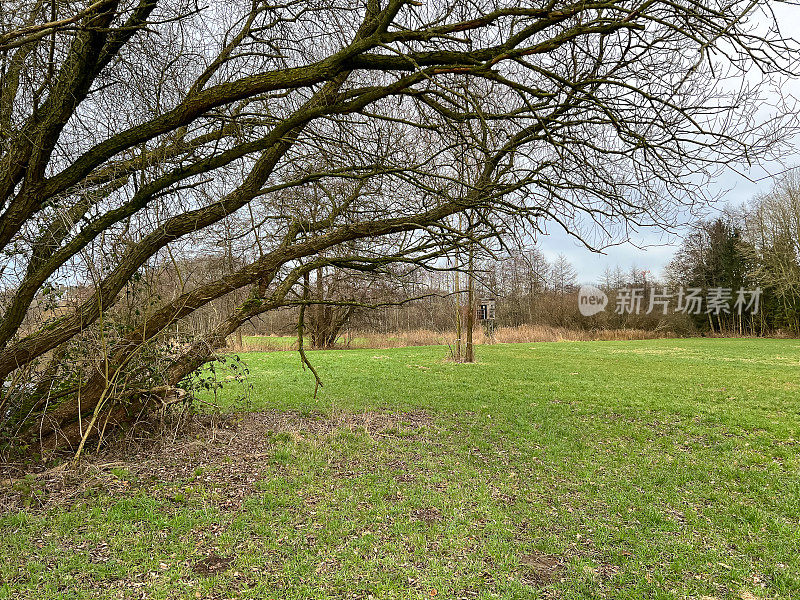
[653, 469]
[275, 342]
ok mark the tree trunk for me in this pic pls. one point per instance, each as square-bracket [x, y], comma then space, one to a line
[458, 318]
[470, 353]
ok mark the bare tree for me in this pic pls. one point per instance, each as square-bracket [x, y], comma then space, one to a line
[772, 236]
[563, 277]
[135, 133]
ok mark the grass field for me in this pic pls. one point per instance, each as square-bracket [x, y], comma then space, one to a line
[651, 469]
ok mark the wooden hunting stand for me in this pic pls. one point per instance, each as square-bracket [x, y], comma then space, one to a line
[485, 313]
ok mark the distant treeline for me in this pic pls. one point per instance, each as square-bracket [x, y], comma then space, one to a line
[753, 249]
[742, 267]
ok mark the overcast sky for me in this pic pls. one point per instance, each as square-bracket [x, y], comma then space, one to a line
[658, 247]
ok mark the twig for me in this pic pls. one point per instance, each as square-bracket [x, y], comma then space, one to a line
[300, 330]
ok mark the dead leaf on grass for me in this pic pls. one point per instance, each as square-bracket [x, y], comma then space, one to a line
[542, 568]
[428, 515]
[211, 565]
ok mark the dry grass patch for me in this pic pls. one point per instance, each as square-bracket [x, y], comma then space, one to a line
[223, 452]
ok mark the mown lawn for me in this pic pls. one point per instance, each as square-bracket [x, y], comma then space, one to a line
[654, 469]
